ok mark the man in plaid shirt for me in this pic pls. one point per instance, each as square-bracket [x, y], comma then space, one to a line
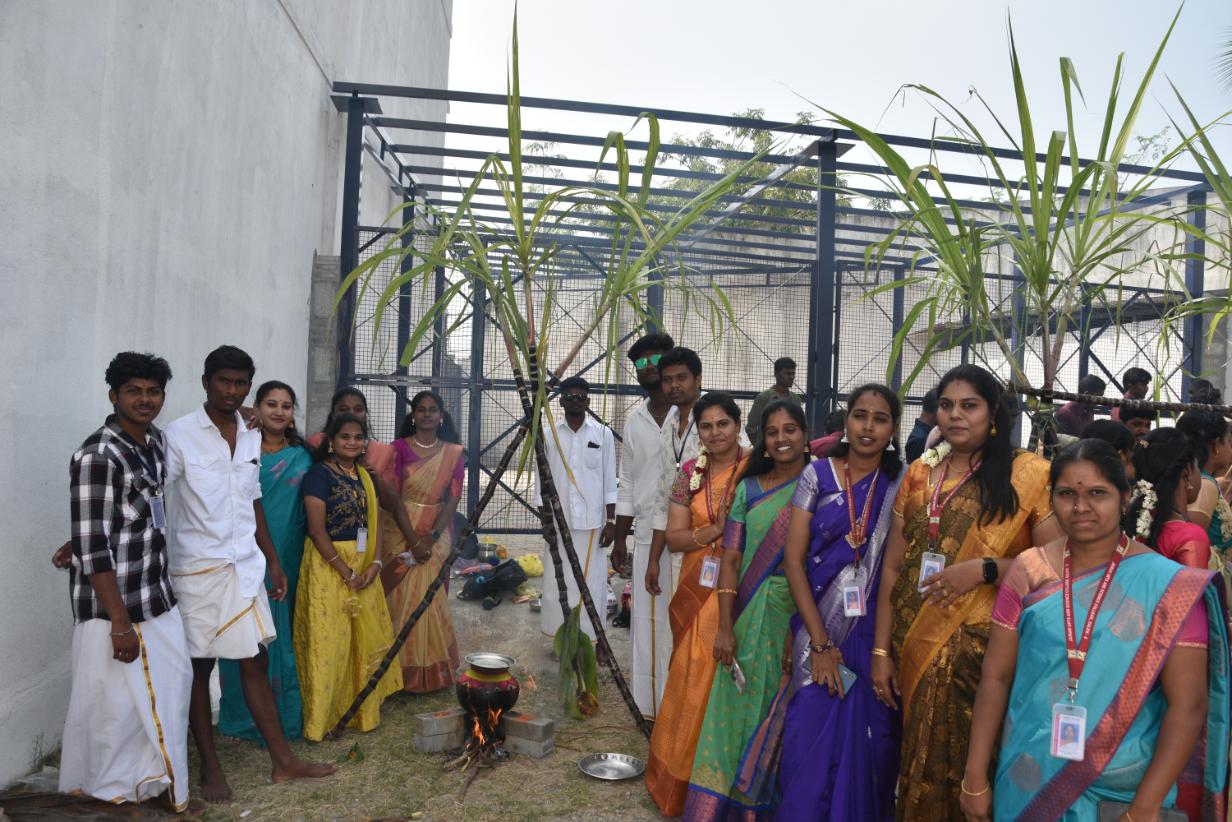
[125, 736]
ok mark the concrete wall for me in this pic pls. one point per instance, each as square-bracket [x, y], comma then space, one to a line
[170, 170]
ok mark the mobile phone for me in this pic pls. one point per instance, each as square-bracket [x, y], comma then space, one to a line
[847, 677]
[737, 676]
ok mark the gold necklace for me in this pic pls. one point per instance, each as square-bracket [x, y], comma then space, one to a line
[273, 449]
[352, 474]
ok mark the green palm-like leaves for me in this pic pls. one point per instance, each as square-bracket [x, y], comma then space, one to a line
[1069, 226]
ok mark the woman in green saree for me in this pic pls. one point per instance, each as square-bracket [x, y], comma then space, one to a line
[755, 607]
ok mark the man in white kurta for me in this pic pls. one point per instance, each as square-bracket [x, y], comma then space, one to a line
[582, 457]
[650, 640]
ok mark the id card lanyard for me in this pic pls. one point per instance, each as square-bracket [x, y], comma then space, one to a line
[158, 509]
[857, 537]
[710, 565]
[1076, 647]
[937, 503]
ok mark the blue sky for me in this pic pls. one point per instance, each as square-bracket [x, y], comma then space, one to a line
[723, 56]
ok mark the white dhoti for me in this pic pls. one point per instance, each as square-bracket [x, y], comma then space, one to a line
[594, 564]
[650, 639]
[126, 733]
[219, 621]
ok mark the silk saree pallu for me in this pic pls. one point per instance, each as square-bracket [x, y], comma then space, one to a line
[429, 657]
[940, 651]
[694, 618]
[757, 527]
[1149, 610]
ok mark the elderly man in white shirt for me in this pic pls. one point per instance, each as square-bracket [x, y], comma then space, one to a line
[587, 493]
[219, 556]
[650, 640]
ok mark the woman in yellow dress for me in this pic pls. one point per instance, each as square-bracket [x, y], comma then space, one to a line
[342, 627]
[964, 510]
[427, 468]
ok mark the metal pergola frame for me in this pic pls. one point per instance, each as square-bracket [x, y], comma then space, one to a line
[822, 235]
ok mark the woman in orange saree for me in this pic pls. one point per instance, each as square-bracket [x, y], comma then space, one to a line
[700, 500]
[963, 512]
[426, 470]
[350, 400]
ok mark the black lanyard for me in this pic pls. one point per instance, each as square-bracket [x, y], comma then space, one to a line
[684, 442]
[150, 467]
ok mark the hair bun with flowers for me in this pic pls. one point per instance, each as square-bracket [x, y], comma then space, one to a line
[1146, 492]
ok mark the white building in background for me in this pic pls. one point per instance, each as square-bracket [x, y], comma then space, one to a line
[169, 170]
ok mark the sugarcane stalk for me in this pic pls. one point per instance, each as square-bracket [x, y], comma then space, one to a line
[549, 494]
[472, 522]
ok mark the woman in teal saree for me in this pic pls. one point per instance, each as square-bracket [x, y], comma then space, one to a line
[284, 461]
[755, 609]
[1153, 679]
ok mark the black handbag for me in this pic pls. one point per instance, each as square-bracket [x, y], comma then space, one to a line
[506, 576]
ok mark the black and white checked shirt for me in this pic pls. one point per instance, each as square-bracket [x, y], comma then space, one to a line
[112, 479]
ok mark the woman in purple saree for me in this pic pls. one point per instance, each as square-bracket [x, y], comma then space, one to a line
[840, 747]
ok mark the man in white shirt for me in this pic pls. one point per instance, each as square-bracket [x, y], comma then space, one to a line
[680, 373]
[650, 638]
[219, 557]
[582, 457]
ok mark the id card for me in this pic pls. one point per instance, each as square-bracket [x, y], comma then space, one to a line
[930, 564]
[853, 601]
[361, 540]
[1069, 731]
[158, 512]
[710, 572]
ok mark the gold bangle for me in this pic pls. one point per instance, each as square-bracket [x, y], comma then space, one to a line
[698, 542]
[881, 652]
[731, 591]
[962, 783]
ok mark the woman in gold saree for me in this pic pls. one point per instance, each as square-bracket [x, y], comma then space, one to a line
[963, 512]
[426, 471]
[700, 501]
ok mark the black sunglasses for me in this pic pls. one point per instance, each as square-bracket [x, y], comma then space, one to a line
[573, 397]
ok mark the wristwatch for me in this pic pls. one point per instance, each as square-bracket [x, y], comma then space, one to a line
[990, 570]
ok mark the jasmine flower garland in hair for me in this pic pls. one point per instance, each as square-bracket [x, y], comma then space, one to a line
[1225, 517]
[1146, 491]
[933, 456]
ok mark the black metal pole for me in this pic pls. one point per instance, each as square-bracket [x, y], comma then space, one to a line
[349, 251]
[1195, 284]
[404, 305]
[474, 424]
[820, 386]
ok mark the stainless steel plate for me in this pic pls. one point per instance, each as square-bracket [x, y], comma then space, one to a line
[487, 661]
[611, 766]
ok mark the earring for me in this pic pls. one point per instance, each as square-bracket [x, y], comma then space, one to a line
[806, 451]
[891, 447]
[993, 432]
[765, 454]
[844, 439]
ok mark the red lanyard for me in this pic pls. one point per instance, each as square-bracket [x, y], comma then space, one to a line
[859, 527]
[936, 505]
[1076, 649]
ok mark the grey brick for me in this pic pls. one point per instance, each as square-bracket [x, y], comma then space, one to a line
[529, 727]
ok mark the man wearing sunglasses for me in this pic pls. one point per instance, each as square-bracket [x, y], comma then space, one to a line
[582, 456]
[784, 379]
[650, 636]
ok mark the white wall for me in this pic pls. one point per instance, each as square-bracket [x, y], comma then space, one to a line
[168, 171]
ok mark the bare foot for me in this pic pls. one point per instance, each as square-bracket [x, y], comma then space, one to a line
[299, 769]
[214, 787]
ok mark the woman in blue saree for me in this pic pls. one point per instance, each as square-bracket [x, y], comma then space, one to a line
[754, 608]
[1152, 677]
[840, 746]
[284, 461]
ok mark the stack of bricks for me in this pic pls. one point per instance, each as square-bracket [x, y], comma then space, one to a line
[447, 730]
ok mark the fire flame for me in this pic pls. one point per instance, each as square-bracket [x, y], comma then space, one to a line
[477, 727]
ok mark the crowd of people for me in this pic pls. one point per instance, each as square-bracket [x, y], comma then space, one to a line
[228, 536]
[824, 625]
